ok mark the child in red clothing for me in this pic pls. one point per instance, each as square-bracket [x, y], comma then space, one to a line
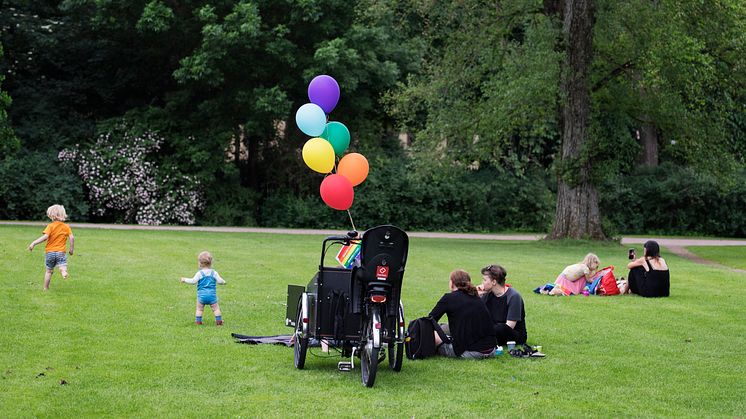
[55, 234]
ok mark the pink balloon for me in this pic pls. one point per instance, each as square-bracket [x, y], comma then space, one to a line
[336, 191]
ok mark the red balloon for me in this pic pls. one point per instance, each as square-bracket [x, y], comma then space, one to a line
[336, 191]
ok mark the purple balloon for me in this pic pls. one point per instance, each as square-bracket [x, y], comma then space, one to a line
[324, 91]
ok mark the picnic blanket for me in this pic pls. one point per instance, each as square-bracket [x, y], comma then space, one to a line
[256, 340]
[284, 340]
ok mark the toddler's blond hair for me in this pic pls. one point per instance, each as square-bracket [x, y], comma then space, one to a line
[205, 260]
[591, 261]
[57, 213]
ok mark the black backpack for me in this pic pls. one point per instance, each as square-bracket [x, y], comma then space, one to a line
[419, 342]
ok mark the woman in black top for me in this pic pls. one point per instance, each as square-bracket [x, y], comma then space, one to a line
[472, 334]
[648, 275]
[505, 305]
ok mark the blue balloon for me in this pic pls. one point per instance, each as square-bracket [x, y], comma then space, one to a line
[311, 119]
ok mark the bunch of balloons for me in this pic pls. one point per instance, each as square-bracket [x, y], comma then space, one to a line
[329, 142]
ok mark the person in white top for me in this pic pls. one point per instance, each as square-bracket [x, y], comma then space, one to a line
[206, 279]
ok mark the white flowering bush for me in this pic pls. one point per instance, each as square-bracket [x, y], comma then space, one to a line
[124, 180]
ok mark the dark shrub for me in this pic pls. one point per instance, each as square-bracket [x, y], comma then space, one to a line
[673, 199]
[31, 182]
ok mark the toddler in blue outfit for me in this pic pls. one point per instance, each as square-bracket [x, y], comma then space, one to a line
[206, 279]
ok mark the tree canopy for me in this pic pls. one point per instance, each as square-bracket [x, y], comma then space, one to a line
[444, 91]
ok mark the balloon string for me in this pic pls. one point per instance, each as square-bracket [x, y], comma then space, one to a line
[351, 222]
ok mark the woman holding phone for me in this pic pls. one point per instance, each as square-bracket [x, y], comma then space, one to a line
[648, 275]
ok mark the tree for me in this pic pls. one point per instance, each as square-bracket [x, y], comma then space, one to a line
[577, 214]
[212, 77]
[487, 94]
[510, 85]
[667, 85]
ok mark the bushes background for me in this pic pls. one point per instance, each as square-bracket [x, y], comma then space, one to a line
[677, 200]
[31, 182]
[668, 199]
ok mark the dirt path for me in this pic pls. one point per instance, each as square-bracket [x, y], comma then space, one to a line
[678, 248]
[675, 246]
[685, 253]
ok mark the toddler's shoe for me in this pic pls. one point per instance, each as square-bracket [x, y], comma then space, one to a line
[218, 322]
[198, 323]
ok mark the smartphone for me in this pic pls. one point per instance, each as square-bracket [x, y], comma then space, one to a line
[631, 254]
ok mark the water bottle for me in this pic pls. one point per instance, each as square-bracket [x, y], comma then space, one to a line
[498, 351]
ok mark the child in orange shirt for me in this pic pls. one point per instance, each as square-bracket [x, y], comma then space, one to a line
[55, 235]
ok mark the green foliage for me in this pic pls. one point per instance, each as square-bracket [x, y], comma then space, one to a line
[673, 64]
[156, 17]
[452, 200]
[672, 199]
[8, 140]
[229, 204]
[489, 90]
[285, 209]
[474, 82]
[31, 182]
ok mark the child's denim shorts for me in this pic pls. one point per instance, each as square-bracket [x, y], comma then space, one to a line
[53, 259]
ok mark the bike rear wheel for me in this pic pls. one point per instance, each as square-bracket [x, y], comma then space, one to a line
[368, 352]
[301, 343]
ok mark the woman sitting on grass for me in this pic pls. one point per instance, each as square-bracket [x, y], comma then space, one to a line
[648, 275]
[469, 324]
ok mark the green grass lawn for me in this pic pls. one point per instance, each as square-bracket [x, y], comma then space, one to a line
[120, 332]
[733, 256]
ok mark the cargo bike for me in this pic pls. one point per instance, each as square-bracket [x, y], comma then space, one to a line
[357, 311]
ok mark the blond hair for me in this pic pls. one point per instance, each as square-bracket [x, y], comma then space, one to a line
[57, 213]
[205, 260]
[591, 261]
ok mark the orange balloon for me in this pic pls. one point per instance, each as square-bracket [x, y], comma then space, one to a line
[354, 167]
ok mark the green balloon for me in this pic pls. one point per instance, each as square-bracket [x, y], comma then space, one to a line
[338, 136]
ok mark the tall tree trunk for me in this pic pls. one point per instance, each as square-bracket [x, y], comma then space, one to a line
[242, 156]
[649, 141]
[253, 161]
[577, 213]
[237, 139]
[647, 134]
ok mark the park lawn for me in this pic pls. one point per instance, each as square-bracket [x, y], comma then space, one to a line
[120, 333]
[733, 256]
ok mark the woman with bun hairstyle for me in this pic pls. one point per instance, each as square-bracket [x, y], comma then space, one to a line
[469, 323]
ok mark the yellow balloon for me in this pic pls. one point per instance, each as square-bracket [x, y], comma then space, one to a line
[319, 155]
